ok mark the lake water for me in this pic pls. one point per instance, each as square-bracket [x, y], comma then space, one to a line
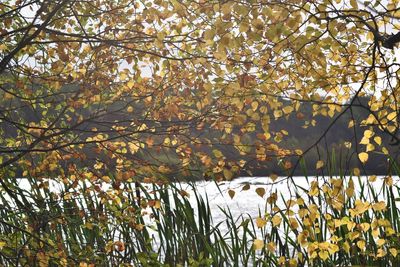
[249, 202]
[244, 202]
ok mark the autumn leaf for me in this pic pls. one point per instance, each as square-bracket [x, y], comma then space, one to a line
[379, 206]
[231, 193]
[372, 178]
[380, 242]
[393, 251]
[378, 140]
[246, 187]
[258, 244]
[260, 191]
[381, 253]
[271, 246]
[260, 222]
[363, 157]
[350, 188]
[324, 255]
[273, 177]
[361, 244]
[276, 220]
[319, 164]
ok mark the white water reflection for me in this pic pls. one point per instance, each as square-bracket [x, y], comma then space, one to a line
[244, 202]
[249, 202]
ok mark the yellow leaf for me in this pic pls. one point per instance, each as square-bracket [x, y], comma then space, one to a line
[323, 254]
[106, 178]
[227, 174]
[258, 244]
[319, 164]
[314, 190]
[271, 247]
[293, 223]
[277, 114]
[350, 188]
[393, 251]
[246, 187]
[298, 152]
[361, 244]
[287, 109]
[89, 225]
[209, 35]
[8, 96]
[380, 242]
[381, 253]
[260, 222]
[378, 140]
[130, 84]
[392, 116]
[217, 153]
[123, 76]
[254, 105]
[372, 178]
[260, 191]
[354, 4]
[368, 133]
[276, 220]
[243, 27]
[333, 248]
[365, 226]
[364, 141]
[160, 36]
[346, 247]
[351, 124]
[381, 205]
[139, 227]
[272, 198]
[273, 177]
[98, 165]
[226, 8]
[363, 157]
[2, 244]
[302, 238]
[370, 147]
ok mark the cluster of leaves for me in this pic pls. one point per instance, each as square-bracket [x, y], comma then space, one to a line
[128, 78]
[334, 222]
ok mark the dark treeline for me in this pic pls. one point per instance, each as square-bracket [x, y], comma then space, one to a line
[304, 131]
[328, 139]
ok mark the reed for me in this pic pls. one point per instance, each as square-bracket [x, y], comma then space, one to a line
[333, 221]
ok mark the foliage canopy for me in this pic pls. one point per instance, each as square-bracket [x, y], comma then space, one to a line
[123, 78]
[120, 91]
